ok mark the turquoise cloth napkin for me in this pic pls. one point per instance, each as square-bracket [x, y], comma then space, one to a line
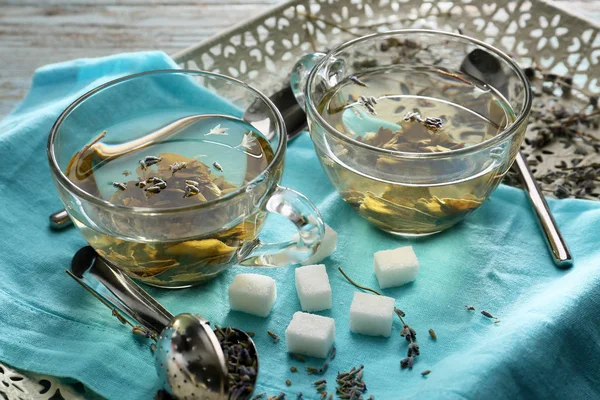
[547, 344]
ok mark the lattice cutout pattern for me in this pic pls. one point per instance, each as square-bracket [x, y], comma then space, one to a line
[263, 51]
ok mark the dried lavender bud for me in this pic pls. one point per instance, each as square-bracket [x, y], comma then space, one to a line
[371, 109]
[323, 395]
[399, 312]
[470, 308]
[288, 382]
[406, 362]
[371, 397]
[411, 335]
[152, 347]
[120, 185]
[191, 190]
[426, 372]
[357, 81]
[259, 396]
[274, 336]
[293, 369]
[412, 116]
[330, 397]
[152, 189]
[413, 349]
[548, 90]
[319, 382]
[324, 367]
[432, 334]
[250, 334]
[408, 333]
[178, 166]
[487, 314]
[359, 375]
[333, 353]
[321, 387]
[529, 72]
[435, 123]
[218, 166]
[297, 357]
[299, 395]
[149, 161]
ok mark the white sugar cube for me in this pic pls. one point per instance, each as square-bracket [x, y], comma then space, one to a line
[310, 334]
[396, 267]
[327, 247]
[253, 294]
[371, 314]
[312, 285]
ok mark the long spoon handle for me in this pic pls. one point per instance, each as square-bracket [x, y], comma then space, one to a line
[556, 243]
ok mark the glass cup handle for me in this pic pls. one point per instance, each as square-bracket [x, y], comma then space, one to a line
[300, 73]
[311, 230]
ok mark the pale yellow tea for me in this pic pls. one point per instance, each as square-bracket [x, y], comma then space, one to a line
[208, 159]
[417, 110]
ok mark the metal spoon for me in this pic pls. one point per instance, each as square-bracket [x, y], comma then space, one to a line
[189, 359]
[485, 67]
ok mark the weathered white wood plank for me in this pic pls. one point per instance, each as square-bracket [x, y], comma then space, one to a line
[34, 33]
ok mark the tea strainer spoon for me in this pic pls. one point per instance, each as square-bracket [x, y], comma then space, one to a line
[189, 360]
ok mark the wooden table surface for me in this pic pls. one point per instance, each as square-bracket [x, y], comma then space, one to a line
[38, 32]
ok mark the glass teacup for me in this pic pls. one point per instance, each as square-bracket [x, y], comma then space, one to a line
[414, 128]
[170, 174]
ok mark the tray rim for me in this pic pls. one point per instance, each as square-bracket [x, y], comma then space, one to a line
[190, 51]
